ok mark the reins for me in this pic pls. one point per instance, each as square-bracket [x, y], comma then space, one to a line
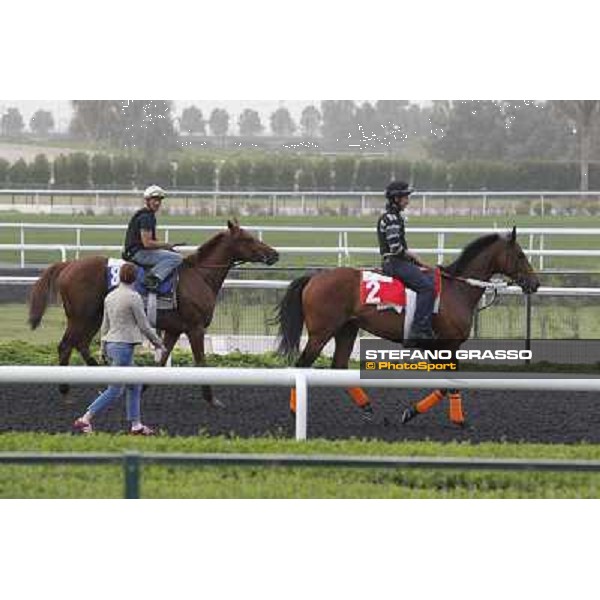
[478, 283]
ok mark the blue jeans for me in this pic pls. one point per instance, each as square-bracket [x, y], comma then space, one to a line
[120, 355]
[420, 282]
[163, 262]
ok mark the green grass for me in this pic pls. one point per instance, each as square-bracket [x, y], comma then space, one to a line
[260, 482]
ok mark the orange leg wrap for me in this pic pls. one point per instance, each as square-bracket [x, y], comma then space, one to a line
[429, 401]
[456, 411]
[360, 398]
[293, 400]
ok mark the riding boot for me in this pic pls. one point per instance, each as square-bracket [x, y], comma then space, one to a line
[421, 330]
[152, 282]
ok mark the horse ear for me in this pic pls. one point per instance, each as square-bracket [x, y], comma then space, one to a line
[233, 224]
[513, 234]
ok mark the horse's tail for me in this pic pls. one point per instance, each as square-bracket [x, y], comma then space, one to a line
[43, 289]
[290, 317]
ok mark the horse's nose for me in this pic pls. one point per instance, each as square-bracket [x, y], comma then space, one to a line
[272, 258]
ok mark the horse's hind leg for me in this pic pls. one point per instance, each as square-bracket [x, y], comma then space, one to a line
[311, 352]
[79, 337]
[344, 343]
[83, 345]
[65, 348]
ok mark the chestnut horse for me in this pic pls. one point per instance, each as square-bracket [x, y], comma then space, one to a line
[329, 304]
[82, 285]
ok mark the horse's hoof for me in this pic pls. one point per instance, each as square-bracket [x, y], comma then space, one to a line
[366, 412]
[461, 425]
[408, 415]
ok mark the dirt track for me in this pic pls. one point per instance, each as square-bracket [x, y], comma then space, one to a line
[493, 416]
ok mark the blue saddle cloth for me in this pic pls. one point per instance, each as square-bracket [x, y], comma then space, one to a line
[166, 288]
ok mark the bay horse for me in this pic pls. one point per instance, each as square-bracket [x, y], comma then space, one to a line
[328, 303]
[82, 285]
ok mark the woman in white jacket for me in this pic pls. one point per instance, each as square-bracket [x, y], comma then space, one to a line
[123, 326]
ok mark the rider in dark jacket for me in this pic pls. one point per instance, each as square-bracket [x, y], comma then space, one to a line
[141, 245]
[399, 262]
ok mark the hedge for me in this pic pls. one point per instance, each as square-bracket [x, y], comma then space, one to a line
[258, 171]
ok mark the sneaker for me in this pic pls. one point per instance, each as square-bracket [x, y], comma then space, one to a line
[80, 426]
[142, 430]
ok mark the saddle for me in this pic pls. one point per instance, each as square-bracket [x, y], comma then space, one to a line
[165, 299]
[388, 292]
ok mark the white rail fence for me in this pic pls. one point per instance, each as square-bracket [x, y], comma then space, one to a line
[276, 203]
[535, 247]
[301, 379]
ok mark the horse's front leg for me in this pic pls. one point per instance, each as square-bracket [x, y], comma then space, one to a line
[196, 337]
[169, 339]
[422, 406]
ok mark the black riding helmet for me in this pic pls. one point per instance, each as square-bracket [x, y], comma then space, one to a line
[398, 188]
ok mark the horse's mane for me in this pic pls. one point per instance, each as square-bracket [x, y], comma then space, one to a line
[205, 249]
[472, 250]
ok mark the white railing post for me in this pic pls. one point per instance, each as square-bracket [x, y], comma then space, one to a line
[541, 251]
[441, 246]
[346, 248]
[340, 245]
[301, 406]
[22, 237]
[77, 241]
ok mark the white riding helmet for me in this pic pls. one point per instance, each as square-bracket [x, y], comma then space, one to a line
[154, 191]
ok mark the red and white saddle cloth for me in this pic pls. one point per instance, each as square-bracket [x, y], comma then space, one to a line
[389, 293]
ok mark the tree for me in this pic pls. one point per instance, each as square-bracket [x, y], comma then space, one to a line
[282, 123]
[11, 124]
[97, 120]
[249, 123]
[339, 121]
[39, 170]
[218, 122]
[468, 129]
[310, 122]
[18, 174]
[78, 164]
[537, 131]
[101, 170]
[60, 170]
[124, 170]
[192, 121]
[583, 114]
[4, 167]
[41, 123]
[147, 125]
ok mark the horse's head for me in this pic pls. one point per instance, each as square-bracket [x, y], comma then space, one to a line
[511, 261]
[247, 248]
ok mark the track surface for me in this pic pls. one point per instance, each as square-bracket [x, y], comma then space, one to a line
[493, 416]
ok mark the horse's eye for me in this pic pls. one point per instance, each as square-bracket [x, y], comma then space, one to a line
[520, 254]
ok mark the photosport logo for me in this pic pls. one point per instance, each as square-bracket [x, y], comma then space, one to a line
[482, 359]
